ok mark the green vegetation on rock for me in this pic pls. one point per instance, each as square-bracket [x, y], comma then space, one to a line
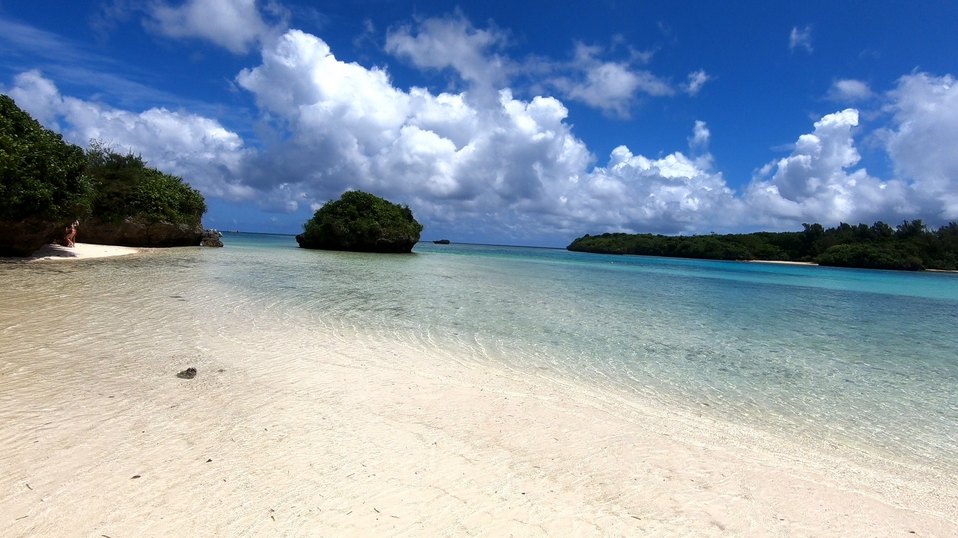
[42, 182]
[41, 176]
[360, 221]
[46, 183]
[125, 187]
[910, 246]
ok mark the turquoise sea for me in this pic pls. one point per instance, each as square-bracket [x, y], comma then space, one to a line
[866, 360]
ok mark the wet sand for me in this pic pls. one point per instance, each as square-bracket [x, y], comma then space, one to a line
[54, 252]
[781, 262]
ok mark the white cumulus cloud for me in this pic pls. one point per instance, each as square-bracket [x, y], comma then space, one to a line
[700, 135]
[610, 86]
[671, 194]
[453, 42]
[507, 168]
[800, 38]
[346, 126]
[822, 180]
[508, 165]
[233, 24]
[849, 91]
[198, 149]
[923, 142]
[818, 182]
[474, 54]
[696, 80]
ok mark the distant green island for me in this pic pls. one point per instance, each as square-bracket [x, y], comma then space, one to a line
[910, 246]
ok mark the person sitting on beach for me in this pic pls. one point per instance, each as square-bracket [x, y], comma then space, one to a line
[70, 234]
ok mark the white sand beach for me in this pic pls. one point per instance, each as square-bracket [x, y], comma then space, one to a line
[380, 441]
[781, 262]
[55, 252]
[286, 432]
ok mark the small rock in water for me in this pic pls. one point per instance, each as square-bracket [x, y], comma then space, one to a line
[189, 373]
[211, 238]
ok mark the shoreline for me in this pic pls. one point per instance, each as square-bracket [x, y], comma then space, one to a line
[80, 251]
[781, 262]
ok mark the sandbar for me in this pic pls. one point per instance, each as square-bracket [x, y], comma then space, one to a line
[55, 252]
[781, 262]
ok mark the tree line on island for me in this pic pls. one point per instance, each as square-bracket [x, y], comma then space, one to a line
[46, 182]
[909, 246]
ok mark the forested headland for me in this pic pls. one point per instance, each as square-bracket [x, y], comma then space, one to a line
[909, 246]
[46, 183]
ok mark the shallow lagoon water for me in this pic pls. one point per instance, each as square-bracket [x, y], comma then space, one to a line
[862, 359]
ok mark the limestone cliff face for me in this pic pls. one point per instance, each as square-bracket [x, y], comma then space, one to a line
[24, 237]
[133, 233]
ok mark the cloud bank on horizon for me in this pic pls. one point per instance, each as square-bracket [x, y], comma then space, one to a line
[495, 155]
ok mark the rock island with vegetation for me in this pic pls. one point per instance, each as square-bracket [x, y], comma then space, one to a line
[42, 182]
[139, 206]
[362, 222]
[46, 183]
[909, 246]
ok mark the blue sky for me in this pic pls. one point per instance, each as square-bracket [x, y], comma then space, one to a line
[519, 122]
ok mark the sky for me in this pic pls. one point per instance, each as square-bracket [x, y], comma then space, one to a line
[522, 122]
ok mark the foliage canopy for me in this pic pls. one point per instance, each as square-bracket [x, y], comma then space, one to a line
[41, 176]
[126, 187]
